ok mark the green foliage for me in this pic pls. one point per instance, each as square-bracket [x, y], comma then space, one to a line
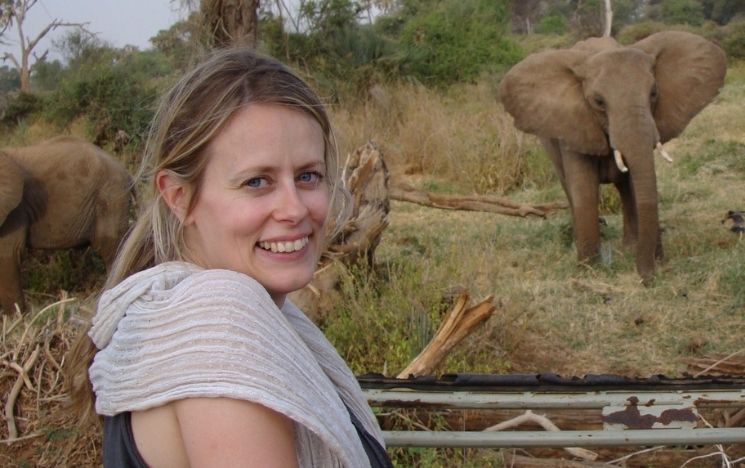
[112, 89]
[10, 80]
[334, 47]
[19, 106]
[722, 11]
[553, 24]
[457, 40]
[734, 41]
[47, 272]
[377, 325]
[179, 42]
[45, 76]
[689, 12]
[638, 31]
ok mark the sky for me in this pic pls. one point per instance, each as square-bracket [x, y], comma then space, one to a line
[119, 22]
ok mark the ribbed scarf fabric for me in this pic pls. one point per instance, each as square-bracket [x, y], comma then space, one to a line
[178, 331]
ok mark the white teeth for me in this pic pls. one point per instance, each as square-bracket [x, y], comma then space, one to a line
[289, 246]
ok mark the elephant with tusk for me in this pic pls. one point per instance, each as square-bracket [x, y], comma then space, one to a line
[58, 194]
[601, 110]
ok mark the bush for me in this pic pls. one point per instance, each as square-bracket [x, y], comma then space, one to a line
[112, 92]
[336, 48]
[638, 31]
[682, 12]
[19, 105]
[734, 40]
[553, 24]
[457, 40]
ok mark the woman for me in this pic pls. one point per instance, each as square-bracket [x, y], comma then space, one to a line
[197, 357]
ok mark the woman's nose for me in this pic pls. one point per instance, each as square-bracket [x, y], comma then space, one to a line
[290, 205]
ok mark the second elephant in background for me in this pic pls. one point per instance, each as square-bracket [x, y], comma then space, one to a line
[58, 194]
[598, 100]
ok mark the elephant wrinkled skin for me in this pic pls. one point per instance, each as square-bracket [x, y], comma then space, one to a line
[598, 97]
[58, 194]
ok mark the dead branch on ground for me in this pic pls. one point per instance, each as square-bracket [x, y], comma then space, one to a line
[732, 364]
[456, 325]
[492, 204]
[545, 423]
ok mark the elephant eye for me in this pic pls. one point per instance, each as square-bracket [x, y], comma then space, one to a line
[653, 95]
[598, 101]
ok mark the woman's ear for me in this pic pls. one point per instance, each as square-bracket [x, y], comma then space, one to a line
[174, 191]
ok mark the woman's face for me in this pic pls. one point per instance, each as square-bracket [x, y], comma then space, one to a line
[263, 200]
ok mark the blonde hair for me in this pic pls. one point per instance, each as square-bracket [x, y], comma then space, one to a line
[189, 116]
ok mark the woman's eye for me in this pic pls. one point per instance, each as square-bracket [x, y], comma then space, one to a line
[310, 177]
[255, 182]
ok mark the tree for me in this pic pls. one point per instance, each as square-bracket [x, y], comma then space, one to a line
[230, 22]
[525, 14]
[608, 19]
[13, 12]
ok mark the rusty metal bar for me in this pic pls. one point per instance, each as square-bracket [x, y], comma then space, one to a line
[552, 400]
[563, 438]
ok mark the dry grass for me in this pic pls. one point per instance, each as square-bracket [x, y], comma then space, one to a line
[460, 136]
[554, 314]
[36, 430]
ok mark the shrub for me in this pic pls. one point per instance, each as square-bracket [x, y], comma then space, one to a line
[456, 41]
[682, 12]
[552, 24]
[19, 105]
[114, 92]
[638, 31]
[734, 40]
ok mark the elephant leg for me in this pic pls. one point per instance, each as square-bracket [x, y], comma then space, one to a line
[583, 187]
[630, 217]
[554, 153]
[11, 293]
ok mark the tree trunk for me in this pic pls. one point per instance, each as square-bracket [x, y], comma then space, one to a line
[228, 23]
[608, 18]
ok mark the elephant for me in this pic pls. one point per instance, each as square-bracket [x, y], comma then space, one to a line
[600, 110]
[58, 194]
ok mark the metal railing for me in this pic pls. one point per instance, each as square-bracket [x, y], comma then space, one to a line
[635, 412]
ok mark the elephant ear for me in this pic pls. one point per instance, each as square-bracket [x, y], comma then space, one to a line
[544, 95]
[689, 71]
[11, 185]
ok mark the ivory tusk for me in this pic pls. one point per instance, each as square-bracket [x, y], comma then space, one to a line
[663, 153]
[619, 161]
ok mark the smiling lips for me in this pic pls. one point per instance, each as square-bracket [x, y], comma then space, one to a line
[284, 247]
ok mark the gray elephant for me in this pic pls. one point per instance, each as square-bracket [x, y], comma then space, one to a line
[600, 110]
[58, 194]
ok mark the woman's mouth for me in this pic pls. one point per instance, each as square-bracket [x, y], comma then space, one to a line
[284, 246]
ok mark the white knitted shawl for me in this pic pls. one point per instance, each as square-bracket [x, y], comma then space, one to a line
[178, 331]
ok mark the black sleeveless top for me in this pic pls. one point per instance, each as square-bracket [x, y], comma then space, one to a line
[120, 450]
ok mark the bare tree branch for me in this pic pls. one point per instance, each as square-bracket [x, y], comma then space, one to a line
[14, 12]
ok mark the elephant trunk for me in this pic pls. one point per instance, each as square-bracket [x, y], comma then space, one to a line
[644, 188]
[636, 141]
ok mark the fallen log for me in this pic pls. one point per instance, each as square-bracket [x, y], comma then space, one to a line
[492, 204]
